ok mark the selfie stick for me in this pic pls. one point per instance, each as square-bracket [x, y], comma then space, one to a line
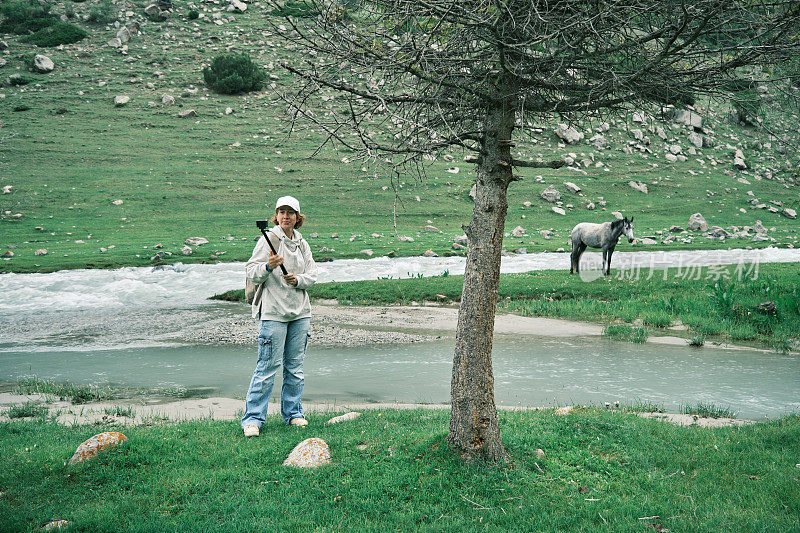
[262, 225]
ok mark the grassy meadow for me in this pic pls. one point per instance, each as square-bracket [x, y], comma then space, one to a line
[392, 470]
[68, 153]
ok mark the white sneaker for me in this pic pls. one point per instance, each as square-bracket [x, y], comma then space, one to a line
[251, 431]
[299, 421]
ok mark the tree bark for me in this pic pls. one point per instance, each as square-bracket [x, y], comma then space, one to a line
[474, 429]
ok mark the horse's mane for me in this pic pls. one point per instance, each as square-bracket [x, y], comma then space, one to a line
[617, 223]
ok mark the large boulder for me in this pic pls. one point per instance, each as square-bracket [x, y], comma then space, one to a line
[310, 453]
[43, 64]
[697, 223]
[93, 446]
[551, 194]
[689, 118]
[568, 134]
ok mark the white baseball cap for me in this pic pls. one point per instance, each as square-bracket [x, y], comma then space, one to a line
[289, 201]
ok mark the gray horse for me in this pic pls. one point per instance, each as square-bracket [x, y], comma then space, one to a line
[603, 236]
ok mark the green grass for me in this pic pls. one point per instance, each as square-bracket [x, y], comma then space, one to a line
[66, 169]
[625, 332]
[602, 471]
[707, 411]
[27, 410]
[77, 394]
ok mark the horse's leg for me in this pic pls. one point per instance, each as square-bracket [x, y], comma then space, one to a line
[581, 249]
[573, 266]
[608, 269]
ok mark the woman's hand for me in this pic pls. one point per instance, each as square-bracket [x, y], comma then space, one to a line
[274, 260]
[290, 279]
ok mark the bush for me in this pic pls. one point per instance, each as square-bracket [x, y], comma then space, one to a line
[25, 16]
[233, 74]
[19, 80]
[27, 410]
[55, 35]
[103, 13]
[296, 9]
[194, 14]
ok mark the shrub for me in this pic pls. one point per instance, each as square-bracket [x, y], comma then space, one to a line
[658, 319]
[233, 74]
[25, 16]
[625, 332]
[103, 13]
[27, 410]
[55, 35]
[194, 14]
[19, 80]
[296, 9]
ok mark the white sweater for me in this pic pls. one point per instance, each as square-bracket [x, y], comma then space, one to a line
[275, 299]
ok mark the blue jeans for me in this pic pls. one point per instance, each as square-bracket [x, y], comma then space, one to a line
[278, 342]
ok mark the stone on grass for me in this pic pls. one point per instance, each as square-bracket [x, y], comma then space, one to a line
[433, 229]
[568, 134]
[310, 453]
[117, 202]
[689, 118]
[789, 213]
[93, 446]
[40, 251]
[638, 185]
[187, 113]
[697, 223]
[430, 253]
[563, 410]
[571, 187]
[43, 64]
[186, 250]
[519, 231]
[558, 210]
[167, 99]
[114, 42]
[53, 525]
[196, 241]
[7, 189]
[121, 100]
[460, 239]
[344, 418]
[368, 252]
[551, 194]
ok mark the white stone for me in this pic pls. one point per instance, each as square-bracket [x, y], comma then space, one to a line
[519, 231]
[551, 194]
[43, 64]
[368, 252]
[310, 453]
[558, 210]
[617, 215]
[186, 250]
[114, 43]
[167, 99]
[121, 100]
[697, 223]
[187, 114]
[344, 418]
[571, 187]
[568, 134]
[638, 185]
[196, 241]
[789, 213]
[117, 202]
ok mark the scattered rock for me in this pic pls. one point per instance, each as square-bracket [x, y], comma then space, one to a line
[639, 186]
[563, 410]
[697, 223]
[154, 13]
[520, 251]
[236, 5]
[600, 142]
[40, 251]
[167, 99]
[789, 213]
[568, 134]
[716, 231]
[124, 35]
[558, 210]
[696, 139]
[117, 202]
[519, 231]
[460, 239]
[188, 113]
[310, 453]
[344, 418]
[43, 64]
[571, 187]
[186, 250]
[368, 252]
[429, 253]
[617, 215]
[8, 253]
[93, 446]
[7, 189]
[114, 42]
[675, 229]
[647, 240]
[121, 100]
[689, 118]
[196, 241]
[590, 206]
[551, 194]
[405, 238]
[433, 229]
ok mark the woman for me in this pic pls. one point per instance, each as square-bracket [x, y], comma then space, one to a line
[281, 305]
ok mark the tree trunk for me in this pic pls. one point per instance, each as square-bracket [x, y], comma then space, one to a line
[474, 429]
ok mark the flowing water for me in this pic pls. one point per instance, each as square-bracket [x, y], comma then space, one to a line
[38, 312]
